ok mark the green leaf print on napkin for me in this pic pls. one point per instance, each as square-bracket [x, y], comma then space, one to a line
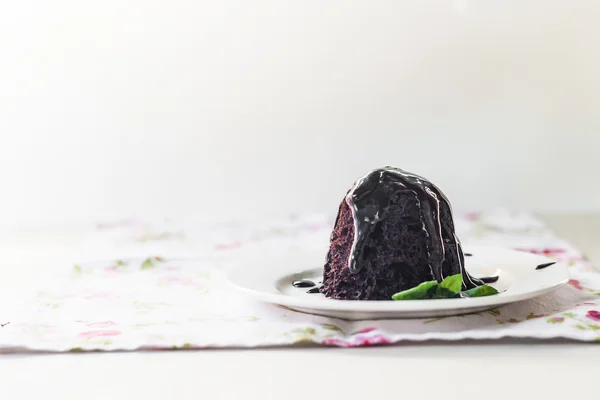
[147, 264]
[150, 262]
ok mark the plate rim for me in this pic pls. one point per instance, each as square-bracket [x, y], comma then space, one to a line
[381, 306]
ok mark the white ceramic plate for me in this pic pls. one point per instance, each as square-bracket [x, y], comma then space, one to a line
[270, 278]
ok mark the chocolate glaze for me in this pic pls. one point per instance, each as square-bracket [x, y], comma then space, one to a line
[303, 283]
[542, 266]
[313, 290]
[489, 279]
[369, 199]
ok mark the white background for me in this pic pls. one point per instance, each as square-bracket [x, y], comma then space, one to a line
[115, 108]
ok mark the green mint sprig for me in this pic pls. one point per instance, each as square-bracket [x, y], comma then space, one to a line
[449, 288]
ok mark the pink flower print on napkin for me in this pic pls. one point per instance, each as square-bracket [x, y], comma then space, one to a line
[365, 330]
[593, 315]
[575, 283]
[335, 342]
[93, 334]
[111, 270]
[357, 341]
[545, 252]
[101, 324]
[177, 280]
[228, 246]
[472, 216]
[586, 303]
[371, 340]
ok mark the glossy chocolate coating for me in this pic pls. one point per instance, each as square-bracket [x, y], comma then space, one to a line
[369, 199]
[304, 283]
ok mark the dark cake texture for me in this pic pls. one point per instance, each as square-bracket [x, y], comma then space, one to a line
[394, 230]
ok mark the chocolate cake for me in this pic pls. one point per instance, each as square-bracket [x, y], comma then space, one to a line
[394, 230]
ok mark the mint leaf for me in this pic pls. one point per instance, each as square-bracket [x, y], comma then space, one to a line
[424, 291]
[450, 288]
[443, 293]
[480, 291]
[453, 283]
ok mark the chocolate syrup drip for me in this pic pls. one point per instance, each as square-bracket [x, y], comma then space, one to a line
[369, 199]
[489, 279]
[542, 266]
[304, 283]
[313, 290]
[467, 254]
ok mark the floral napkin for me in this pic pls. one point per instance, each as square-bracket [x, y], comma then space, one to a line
[161, 285]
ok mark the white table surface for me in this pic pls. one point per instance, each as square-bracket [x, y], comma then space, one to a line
[488, 370]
